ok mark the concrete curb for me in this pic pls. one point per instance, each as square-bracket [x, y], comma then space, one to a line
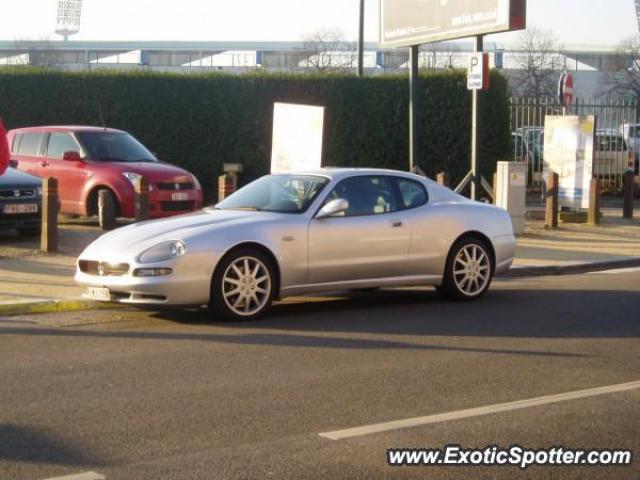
[51, 306]
[586, 267]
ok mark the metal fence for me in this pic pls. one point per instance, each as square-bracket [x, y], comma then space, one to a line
[617, 135]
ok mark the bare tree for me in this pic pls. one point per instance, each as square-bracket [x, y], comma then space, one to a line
[538, 62]
[437, 56]
[623, 71]
[328, 51]
[42, 52]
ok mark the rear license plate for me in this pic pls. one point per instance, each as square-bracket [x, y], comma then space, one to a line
[97, 293]
[22, 208]
[179, 196]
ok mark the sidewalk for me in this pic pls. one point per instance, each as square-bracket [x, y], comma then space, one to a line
[615, 238]
[31, 281]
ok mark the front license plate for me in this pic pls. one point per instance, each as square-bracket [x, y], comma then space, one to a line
[97, 293]
[179, 196]
[21, 208]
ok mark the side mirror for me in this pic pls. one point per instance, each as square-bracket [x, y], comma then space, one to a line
[72, 156]
[333, 207]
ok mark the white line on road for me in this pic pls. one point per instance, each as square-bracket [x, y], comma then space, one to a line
[619, 271]
[81, 476]
[477, 412]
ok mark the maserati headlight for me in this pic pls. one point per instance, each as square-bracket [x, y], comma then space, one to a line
[163, 251]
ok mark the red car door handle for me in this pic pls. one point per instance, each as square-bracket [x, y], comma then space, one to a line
[44, 163]
[396, 224]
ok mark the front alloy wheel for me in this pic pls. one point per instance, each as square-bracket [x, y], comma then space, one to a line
[243, 287]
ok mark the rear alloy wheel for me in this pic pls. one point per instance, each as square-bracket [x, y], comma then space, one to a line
[469, 270]
[243, 287]
[107, 209]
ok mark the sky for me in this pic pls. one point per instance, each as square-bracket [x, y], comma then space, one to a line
[601, 23]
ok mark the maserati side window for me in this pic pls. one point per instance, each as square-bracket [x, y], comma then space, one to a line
[367, 195]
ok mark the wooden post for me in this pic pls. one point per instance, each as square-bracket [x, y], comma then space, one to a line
[627, 210]
[443, 179]
[594, 202]
[50, 207]
[142, 199]
[551, 216]
[227, 184]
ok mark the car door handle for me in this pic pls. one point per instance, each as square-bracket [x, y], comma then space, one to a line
[396, 224]
[44, 163]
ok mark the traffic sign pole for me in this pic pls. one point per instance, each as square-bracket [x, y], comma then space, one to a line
[475, 181]
[413, 107]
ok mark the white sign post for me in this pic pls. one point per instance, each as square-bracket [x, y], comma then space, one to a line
[569, 152]
[297, 137]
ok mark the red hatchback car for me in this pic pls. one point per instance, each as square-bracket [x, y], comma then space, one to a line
[86, 160]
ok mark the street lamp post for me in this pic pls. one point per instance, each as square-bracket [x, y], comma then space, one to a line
[361, 41]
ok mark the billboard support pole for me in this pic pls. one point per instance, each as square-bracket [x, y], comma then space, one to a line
[413, 107]
[475, 184]
[361, 41]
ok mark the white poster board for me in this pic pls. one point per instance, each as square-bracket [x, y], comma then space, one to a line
[297, 137]
[569, 151]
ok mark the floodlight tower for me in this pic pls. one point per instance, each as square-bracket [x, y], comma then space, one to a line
[68, 17]
[638, 13]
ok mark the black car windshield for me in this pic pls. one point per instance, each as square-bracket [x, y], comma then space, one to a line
[114, 147]
[277, 193]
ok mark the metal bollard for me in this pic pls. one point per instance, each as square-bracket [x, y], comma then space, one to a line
[443, 179]
[551, 214]
[627, 210]
[594, 202]
[142, 199]
[495, 188]
[50, 207]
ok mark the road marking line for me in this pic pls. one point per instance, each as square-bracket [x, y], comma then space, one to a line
[619, 270]
[477, 412]
[81, 476]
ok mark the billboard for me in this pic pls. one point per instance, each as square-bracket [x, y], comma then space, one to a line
[404, 23]
[569, 151]
[297, 137]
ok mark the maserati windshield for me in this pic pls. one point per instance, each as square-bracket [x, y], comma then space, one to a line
[277, 193]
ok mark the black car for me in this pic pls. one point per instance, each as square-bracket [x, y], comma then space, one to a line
[20, 202]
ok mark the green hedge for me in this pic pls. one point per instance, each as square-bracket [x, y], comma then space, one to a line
[200, 121]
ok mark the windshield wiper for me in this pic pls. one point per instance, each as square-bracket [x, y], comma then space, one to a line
[248, 209]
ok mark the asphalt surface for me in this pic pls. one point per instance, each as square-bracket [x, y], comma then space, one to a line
[171, 395]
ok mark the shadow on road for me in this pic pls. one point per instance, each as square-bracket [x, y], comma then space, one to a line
[273, 339]
[505, 312]
[37, 445]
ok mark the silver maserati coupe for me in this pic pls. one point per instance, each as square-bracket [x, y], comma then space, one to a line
[298, 233]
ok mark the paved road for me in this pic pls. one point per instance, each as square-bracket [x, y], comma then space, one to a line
[137, 395]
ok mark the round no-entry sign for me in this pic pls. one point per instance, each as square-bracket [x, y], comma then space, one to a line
[565, 89]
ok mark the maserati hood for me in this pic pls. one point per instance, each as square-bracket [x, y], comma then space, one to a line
[140, 236]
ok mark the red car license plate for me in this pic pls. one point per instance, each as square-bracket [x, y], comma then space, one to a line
[179, 196]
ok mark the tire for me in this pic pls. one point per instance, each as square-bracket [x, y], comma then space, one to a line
[107, 209]
[238, 293]
[469, 270]
[29, 231]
